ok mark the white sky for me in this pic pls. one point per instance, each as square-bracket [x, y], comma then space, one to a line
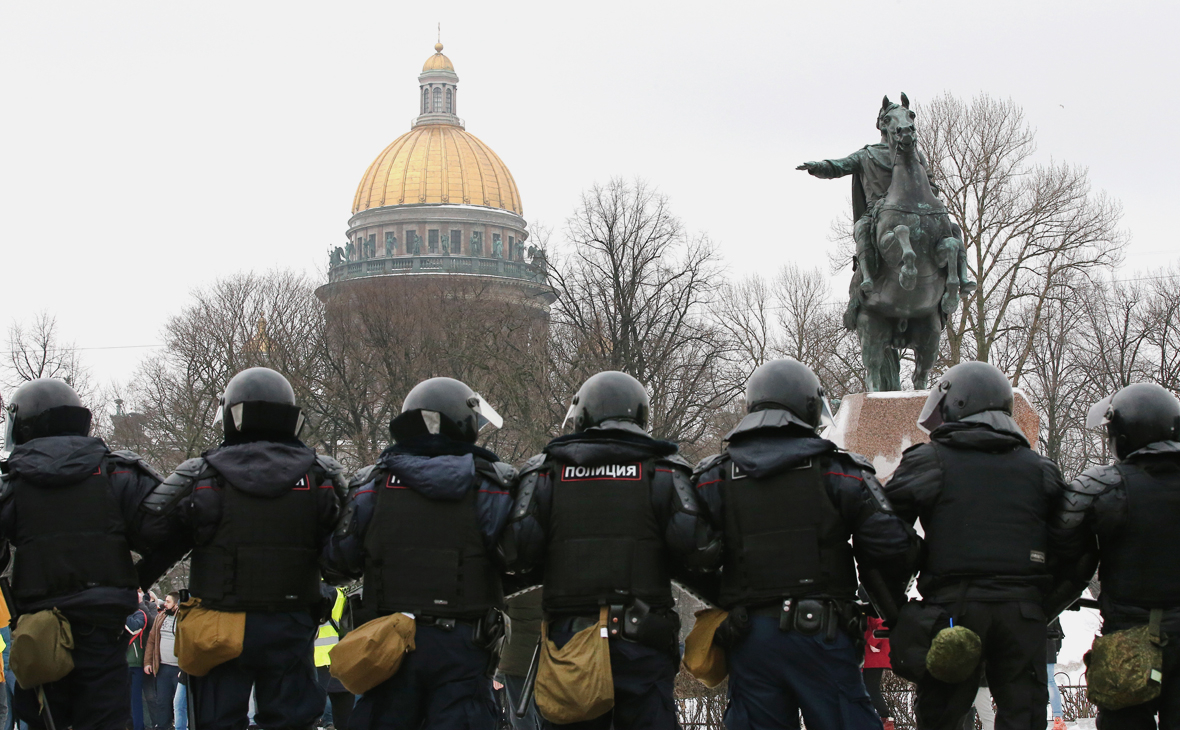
[147, 148]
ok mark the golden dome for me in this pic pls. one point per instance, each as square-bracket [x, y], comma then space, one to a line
[437, 163]
[438, 62]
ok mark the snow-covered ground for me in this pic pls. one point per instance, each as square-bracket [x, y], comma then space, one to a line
[1080, 628]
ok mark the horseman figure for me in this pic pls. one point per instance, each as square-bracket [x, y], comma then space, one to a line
[901, 227]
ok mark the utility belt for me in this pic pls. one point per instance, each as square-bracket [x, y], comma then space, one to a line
[636, 622]
[811, 616]
[491, 632]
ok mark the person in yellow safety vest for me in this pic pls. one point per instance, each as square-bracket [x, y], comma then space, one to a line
[342, 700]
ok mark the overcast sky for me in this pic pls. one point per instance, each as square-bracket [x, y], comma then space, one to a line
[148, 148]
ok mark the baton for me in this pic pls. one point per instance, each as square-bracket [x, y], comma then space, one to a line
[530, 681]
[49, 724]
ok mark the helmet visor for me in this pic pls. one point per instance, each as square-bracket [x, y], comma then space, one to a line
[1099, 414]
[931, 416]
[219, 416]
[569, 414]
[10, 428]
[825, 414]
[485, 414]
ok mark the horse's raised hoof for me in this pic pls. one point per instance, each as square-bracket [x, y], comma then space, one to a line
[908, 278]
[949, 303]
[866, 286]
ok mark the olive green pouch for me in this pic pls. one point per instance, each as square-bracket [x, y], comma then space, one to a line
[1125, 668]
[42, 648]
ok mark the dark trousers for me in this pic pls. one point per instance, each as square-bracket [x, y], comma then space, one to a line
[340, 700]
[135, 678]
[774, 675]
[1013, 635]
[95, 696]
[167, 677]
[441, 684]
[643, 679]
[872, 677]
[1142, 717]
[276, 661]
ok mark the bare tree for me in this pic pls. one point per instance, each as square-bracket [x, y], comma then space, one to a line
[35, 350]
[1027, 227]
[634, 293]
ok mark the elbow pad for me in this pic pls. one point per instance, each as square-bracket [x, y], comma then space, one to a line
[176, 487]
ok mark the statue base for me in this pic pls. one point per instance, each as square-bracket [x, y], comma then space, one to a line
[881, 426]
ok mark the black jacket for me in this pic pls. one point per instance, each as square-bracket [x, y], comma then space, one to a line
[436, 467]
[881, 541]
[1097, 516]
[691, 544]
[916, 491]
[193, 512]
[63, 460]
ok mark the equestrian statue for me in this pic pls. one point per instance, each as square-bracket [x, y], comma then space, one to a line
[910, 268]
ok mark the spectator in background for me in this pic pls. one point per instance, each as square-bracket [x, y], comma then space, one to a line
[160, 661]
[1052, 648]
[876, 662]
[139, 626]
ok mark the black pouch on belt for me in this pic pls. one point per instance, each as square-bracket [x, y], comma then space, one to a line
[644, 626]
[809, 615]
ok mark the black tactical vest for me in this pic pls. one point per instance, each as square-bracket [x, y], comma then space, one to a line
[990, 518]
[265, 553]
[69, 538]
[783, 537]
[1140, 566]
[605, 544]
[427, 556]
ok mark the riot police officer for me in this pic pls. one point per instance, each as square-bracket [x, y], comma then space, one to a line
[1132, 507]
[256, 513]
[788, 501]
[986, 501]
[68, 506]
[608, 513]
[421, 525]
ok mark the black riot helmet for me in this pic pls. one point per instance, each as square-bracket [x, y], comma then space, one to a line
[1136, 416]
[610, 399]
[259, 404]
[45, 407]
[443, 406]
[789, 385]
[965, 390]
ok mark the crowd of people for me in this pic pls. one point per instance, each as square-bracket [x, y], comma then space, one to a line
[792, 540]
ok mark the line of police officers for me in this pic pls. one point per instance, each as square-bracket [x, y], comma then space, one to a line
[780, 528]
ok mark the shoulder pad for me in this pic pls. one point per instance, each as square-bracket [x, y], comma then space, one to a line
[178, 485]
[533, 464]
[859, 459]
[498, 472]
[505, 472]
[362, 477]
[1096, 480]
[525, 490]
[334, 470]
[330, 466]
[676, 460]
[133, 459]
[709, 462]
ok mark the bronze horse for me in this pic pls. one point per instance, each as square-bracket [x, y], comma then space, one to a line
[919, 262]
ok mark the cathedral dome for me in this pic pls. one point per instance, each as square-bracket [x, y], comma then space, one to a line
[438, 62]
[438, 164]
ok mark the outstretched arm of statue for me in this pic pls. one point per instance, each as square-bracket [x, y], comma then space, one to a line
[828, 169]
